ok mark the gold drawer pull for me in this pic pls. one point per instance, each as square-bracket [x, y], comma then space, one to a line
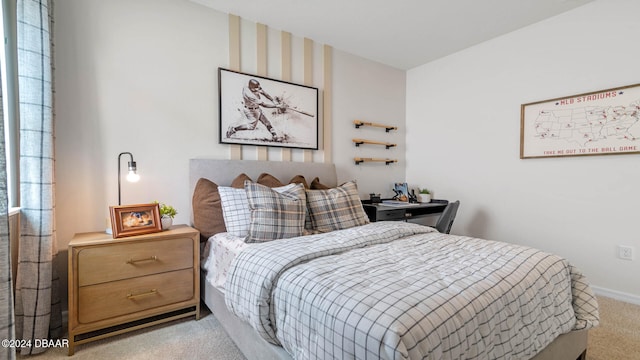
[150, 258]
[130, 296]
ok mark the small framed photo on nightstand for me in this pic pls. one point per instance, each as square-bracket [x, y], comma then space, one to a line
[130, 220]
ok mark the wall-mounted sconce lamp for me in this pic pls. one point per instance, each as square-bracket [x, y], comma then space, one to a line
[132, 175]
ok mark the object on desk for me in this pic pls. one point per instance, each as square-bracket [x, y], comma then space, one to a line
[396, 203]
[424, 196]
[375, 198]
[393, 202]
[412, 197]
[402, 192]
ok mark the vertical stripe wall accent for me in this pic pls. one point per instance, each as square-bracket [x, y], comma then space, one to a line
[285, 73]
[307, 155]
[327, 120]
[261, 42]
[261, 58]
[235, 151]
[238, 152]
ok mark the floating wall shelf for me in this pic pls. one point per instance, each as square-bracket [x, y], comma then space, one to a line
[359, 123]
[360, 160]
[359, 142]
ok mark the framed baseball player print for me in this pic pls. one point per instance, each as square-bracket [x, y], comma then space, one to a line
[256, 110]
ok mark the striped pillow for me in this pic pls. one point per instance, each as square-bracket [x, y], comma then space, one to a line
[336, 208]
[275, 214]
[235, 210]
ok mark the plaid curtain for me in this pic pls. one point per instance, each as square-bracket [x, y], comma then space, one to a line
[7, 330]
[38, 313]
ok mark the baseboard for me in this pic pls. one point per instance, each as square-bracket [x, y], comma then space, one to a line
[617, 295]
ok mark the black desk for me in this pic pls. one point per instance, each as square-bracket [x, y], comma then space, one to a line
[382, 212]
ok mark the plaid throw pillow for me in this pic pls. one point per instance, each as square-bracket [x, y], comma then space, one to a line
[235, 208]
[336, 208]
[275, 214]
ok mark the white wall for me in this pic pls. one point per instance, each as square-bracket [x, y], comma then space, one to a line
[132, 76]
[141, 76]
[373, 93]
[463, 133]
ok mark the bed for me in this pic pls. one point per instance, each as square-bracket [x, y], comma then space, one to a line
[311, 296]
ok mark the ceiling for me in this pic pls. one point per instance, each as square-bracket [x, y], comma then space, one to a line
[401, 33]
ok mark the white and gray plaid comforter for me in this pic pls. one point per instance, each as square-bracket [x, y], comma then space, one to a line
[394, 290]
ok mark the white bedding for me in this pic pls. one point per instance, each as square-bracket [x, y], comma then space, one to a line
[217, 255]
[394, 290]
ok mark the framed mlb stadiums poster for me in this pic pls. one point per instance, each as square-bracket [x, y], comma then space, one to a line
[256, 110]
[596, 123]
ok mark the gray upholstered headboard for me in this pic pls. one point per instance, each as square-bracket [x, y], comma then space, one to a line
[222, 172]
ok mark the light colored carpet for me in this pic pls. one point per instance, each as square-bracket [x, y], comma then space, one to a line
[617, 338]
[179, 339]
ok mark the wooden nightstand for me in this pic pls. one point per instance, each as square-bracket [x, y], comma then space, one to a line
[120, 285]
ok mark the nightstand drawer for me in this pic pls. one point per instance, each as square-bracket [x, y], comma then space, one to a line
[103, 301]
[395, 214]
[100, 264]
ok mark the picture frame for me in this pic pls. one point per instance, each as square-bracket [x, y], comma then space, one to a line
[602, 122]
[402, 191]
[256, 110]
[138, 219]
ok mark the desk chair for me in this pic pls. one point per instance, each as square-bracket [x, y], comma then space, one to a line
[445, 221]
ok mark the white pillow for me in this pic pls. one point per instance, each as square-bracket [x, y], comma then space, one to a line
[235, 208]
